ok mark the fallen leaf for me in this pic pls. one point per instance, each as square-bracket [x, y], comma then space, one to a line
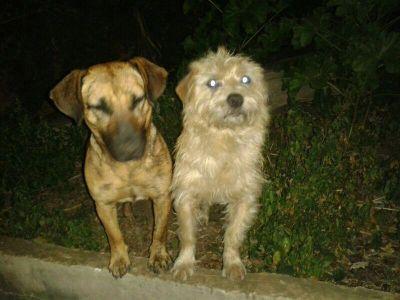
[388, 249]
[359, 265]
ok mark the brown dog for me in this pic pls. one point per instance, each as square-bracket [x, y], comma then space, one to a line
[127, 158]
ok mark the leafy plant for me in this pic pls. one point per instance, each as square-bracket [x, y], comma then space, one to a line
[34, 158]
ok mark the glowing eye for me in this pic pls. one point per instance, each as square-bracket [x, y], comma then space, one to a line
[213, 84]
[245, 80]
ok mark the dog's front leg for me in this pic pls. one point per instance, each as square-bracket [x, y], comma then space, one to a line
[119, 262]
[240, 216]
[184, 264]
[159, 257]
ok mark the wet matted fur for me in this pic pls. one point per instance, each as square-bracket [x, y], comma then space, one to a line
[127, 158]
[218, 154]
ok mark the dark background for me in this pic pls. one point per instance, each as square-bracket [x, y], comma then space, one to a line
[42, 40]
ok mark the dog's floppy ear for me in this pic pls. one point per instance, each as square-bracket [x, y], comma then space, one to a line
[182, 88]
[67, 95]
[155, 77]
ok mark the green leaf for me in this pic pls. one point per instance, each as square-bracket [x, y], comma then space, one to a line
[286, 245]
[302, 35]
[186, 7]
[276, 258]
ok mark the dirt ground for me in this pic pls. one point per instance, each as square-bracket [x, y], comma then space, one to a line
[365, 267]
[138, 231]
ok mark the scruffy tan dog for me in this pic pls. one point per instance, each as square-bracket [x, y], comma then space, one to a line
[127, 158]
[218, 154]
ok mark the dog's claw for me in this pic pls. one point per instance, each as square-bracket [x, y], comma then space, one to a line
[234, 272]
[119, 267]
[160, 261]
[182, 271]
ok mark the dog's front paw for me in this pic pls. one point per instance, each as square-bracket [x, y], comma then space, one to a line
[234, 271]
[119, 265]
[159, 261]
[182, 271]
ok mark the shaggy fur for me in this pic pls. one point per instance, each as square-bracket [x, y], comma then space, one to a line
[218, 154]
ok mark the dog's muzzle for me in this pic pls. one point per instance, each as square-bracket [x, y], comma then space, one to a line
[235, 100]
[126, 142]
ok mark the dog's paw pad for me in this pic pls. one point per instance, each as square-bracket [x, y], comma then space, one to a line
[159, 262]
[119, 267]
[234, 272]
[182, 271]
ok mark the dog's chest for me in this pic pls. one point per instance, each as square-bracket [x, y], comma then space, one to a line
[221, 159]
[119, 183]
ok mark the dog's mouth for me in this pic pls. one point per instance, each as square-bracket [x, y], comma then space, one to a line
[235, 114]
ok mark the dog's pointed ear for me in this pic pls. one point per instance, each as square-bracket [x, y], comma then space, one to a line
[183, 87]
[67, 95]
[155, 77]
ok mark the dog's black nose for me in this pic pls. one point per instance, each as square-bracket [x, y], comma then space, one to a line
[235, 100]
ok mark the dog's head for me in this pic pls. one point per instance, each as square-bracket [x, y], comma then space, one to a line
[224, 90]
[115, 100]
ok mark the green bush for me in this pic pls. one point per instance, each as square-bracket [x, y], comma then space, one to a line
[321, 183]
[167, 117]
[36, 157]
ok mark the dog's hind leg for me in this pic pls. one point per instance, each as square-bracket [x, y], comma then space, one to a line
[184, 264]
[240, 217]
[119, 262]
[159, 257]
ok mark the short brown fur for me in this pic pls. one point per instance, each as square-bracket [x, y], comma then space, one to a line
[127, 158]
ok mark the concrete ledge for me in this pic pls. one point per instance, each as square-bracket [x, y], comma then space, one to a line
[30, 270]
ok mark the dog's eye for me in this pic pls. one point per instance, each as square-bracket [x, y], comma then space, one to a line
[245, 79]
[213, 84]
[102, 106]
[135, 102]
